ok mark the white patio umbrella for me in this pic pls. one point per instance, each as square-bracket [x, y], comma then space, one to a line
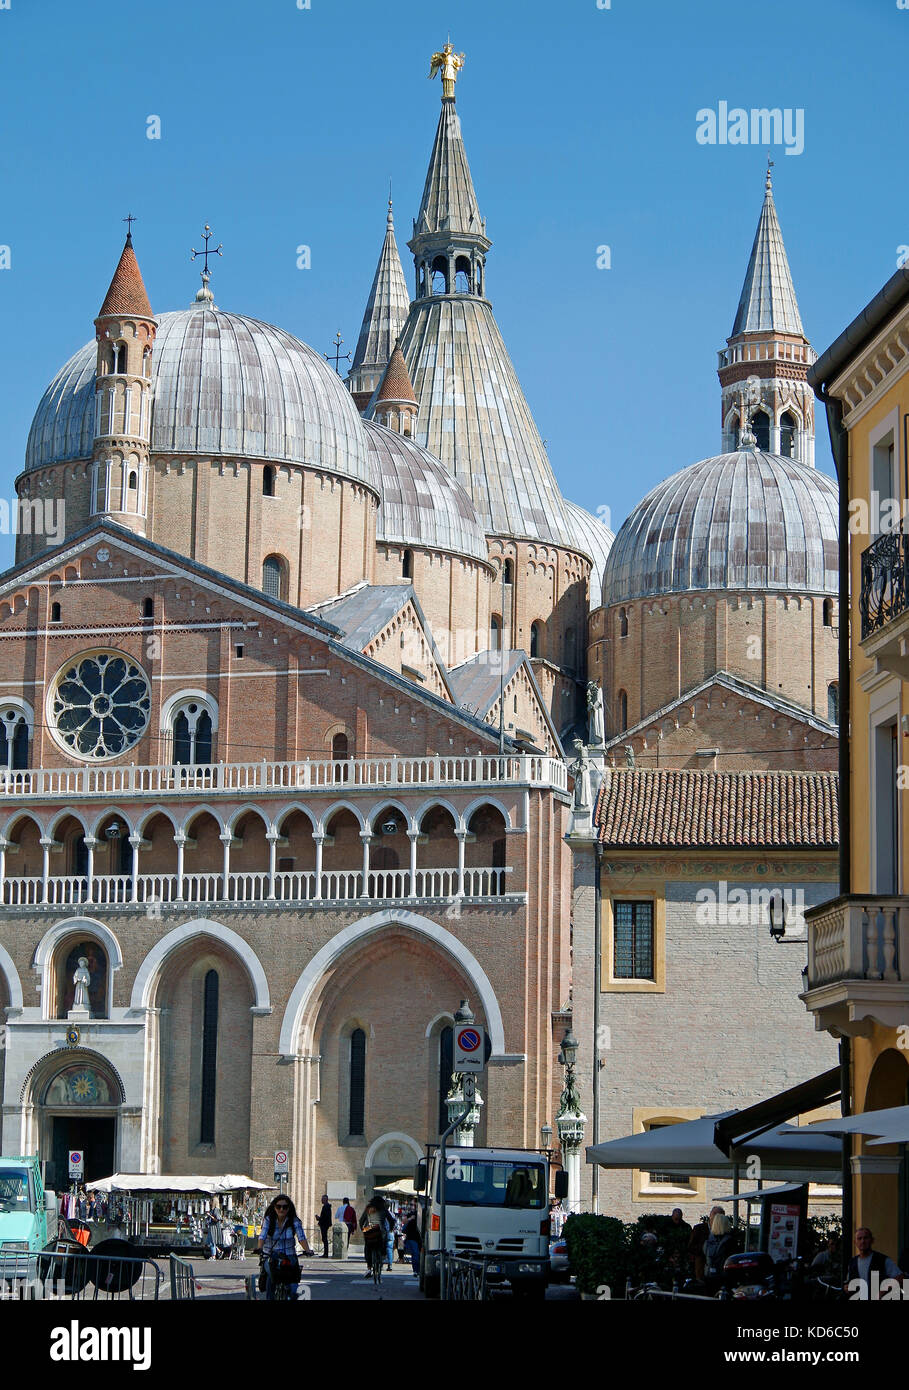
[888, 1126]
[687, 1149]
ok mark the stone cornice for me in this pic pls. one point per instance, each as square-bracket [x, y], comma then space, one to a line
[871, 374]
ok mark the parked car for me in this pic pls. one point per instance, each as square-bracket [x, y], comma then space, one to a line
[559, 1271]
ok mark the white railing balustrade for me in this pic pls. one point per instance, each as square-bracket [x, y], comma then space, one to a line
[335, 885]
[858, 939]
[130, 780]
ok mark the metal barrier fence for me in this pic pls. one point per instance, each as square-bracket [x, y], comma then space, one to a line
[79, 1276]
[186, 1280]
[467, 1278]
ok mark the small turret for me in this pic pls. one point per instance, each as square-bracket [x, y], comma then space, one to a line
[125, 333]
[386, 312]
[396, 405]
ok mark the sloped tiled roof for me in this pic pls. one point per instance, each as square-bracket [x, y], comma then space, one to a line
[395, 384]
[718, 810]
[126, 293]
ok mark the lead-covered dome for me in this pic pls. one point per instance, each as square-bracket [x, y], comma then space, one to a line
[746, 520]
[594, 538]
[422, 504]
[223, 385]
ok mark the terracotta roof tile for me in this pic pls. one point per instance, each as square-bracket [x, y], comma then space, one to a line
[717, 810]
[126, 294]
[396, 384]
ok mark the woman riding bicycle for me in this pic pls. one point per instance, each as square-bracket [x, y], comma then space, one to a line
[281, 1229]
[375, 1224]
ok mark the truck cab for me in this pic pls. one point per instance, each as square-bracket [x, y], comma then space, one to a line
[496, 1205]
[23, 1213]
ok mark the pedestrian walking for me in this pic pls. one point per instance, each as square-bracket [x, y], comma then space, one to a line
[412, 1241]
[349, 1217]
[324, 1220]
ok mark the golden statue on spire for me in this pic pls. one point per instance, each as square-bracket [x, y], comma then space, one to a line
[449, 64]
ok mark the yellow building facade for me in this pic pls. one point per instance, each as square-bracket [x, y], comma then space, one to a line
[858, 957]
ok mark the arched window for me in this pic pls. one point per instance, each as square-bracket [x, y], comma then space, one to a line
[623, 622]
[119, 358]
[495, 633]
[191, 734]
[462, 275]
[146, 361]
[446, 1068]
[133, 481]
[833, 702]
[209, 1057]
[623, 711]
[440, 275]
[788, 427]
[760, 425]
[736, 431]
[509, 572]
[55, 612]
[273, 576]
[828, 612]
[536, 639]
[148, 608]
[479, 279]
[357, 1099]
[13, 739]
[268, 481]
[340, 746]
[407, 564]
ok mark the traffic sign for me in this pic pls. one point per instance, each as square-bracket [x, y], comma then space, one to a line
[76, 1163]
[469, 1048]
[280, 1163]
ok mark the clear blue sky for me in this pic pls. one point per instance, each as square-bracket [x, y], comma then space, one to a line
[282, 126]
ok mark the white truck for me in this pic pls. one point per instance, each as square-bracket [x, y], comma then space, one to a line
[497, 1205]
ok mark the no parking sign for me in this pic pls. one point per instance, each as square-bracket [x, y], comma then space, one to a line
[469, 1048]
[76, 1163]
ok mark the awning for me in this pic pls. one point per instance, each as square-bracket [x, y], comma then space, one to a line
[169, 1182]
[889, 1126]
[402, 1188]
[742, 1127]
[762, 1194]
[688, 1149]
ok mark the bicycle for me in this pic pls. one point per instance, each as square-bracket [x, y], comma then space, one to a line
[375, 1255]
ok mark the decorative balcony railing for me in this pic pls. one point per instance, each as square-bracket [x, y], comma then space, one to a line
[333, 886]
[858, 939]
[244, 779]
[884, 590]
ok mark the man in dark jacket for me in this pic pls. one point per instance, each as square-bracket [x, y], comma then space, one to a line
[866, 1263]
[325, 1221]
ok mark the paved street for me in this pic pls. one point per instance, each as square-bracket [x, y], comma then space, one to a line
[324, 1280]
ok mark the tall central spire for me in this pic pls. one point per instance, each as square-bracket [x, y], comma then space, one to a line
[471, 410]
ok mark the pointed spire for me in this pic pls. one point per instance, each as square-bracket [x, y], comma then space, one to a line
[768, 303]
[449, 202]
[396, 385]
[126, 293]
[386, 312]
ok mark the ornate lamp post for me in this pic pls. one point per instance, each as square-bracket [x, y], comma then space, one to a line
[455, 1103]
[570, 1121]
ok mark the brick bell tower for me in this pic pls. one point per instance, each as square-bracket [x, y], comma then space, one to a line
[125, 333]
[763, 369]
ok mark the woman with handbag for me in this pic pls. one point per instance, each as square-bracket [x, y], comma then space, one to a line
[281, 1229]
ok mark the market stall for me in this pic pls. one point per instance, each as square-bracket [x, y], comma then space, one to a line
[166, 1211]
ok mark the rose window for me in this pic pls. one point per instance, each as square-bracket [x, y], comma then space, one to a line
[99, 705]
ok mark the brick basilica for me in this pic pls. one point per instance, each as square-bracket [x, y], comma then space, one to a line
[283, 717]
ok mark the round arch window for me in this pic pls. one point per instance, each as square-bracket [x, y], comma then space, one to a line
[99, 704]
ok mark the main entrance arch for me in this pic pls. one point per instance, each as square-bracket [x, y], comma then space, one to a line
[73, 1100]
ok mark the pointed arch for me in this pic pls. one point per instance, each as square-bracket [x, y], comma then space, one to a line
[152, 811]
[151, 966]
[356, 935]
[106, 814]
[390, 805]
[481, 801]
[231, 820]
[430, 804]
[68, 811]
[202, 810]
[334, 808]
[11, 975]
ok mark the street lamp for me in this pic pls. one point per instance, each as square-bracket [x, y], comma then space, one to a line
[546, 1136]
[571, 1120]
[777, 913]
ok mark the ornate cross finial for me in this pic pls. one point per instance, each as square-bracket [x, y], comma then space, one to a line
[129, 220]
[337, 358]
[769, 181]
[216, 251]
